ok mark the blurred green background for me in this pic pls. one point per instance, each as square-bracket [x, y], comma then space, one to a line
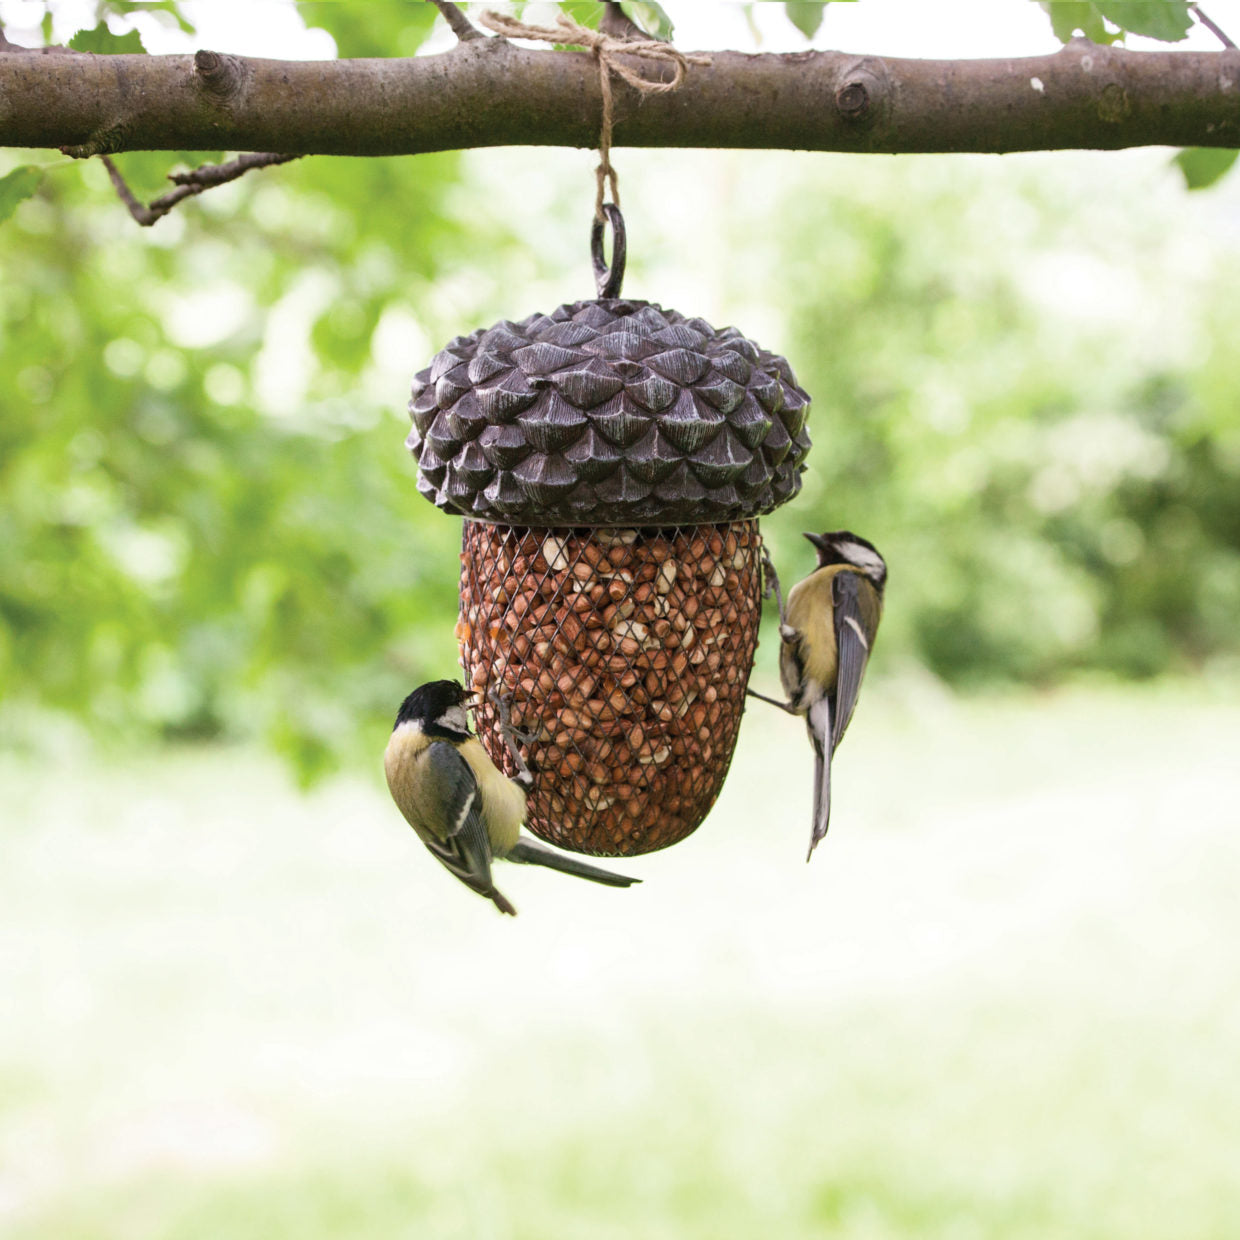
[1001, 1002]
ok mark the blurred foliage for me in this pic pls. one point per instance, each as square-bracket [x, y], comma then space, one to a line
[208, 525]
[168, 10]
[196, 537]
[17, 185]
[1037, 426]
[371, 29]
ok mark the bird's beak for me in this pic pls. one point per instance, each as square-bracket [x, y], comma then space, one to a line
[818, 541]
[473, 701]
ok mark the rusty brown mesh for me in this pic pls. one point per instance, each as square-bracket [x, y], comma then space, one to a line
[624, 655]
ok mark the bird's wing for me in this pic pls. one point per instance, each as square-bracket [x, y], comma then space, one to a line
[461, 843]
[852, 643]
[818, 721]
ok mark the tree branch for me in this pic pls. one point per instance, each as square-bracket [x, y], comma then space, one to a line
[188, 183]
[1213, 27]
[461, 26]
[487, 92]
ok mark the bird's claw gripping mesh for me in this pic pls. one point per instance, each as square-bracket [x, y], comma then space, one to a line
[623, 655]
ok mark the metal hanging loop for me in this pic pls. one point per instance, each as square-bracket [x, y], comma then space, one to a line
[608, 281]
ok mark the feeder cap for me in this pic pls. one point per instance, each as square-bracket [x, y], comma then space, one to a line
[608, 413]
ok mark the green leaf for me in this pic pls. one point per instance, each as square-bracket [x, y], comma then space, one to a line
[17, 185]
[1203, 165]
[583, 12]
[104, 42]
[1168, 20]
[652, 18]
[1072, 17]
[805, 15]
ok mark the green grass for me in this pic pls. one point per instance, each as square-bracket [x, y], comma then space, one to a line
[1001, 1002]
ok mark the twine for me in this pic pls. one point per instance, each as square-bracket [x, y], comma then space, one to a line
[605, 49]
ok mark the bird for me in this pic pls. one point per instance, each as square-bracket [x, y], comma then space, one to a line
[826, 634]
[462, 807]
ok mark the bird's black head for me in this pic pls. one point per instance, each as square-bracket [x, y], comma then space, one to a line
[438, 707]
[845, 547]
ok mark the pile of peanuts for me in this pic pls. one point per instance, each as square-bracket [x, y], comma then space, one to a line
[623, 657]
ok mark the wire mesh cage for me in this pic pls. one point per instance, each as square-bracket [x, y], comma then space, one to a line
[624, 654]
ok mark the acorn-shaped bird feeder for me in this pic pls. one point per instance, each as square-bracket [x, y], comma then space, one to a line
[610, 459]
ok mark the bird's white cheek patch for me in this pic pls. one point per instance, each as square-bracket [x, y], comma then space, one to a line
[862, 557]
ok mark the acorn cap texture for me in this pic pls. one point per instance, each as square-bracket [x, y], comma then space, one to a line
[612, 413]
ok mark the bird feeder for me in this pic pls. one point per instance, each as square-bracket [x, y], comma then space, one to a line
[610, 459]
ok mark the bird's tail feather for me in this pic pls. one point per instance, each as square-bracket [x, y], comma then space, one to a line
[531, 852]
[501, 901]
[818, 721]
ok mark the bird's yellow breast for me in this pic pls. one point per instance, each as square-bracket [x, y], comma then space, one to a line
[811, 611]
[503, 802]
[405, 748]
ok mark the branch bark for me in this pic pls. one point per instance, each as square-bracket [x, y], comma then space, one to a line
[488, 92]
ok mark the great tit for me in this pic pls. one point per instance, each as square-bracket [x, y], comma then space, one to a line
[463, 808]
[826, 635]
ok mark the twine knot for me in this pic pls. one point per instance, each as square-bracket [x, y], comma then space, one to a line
[605, 48]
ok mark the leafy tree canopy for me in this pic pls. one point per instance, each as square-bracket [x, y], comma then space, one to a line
[1023, 379]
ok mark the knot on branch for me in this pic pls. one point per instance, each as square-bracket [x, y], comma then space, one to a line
[218, 76]
[106, 141]
[862, 91]
[1113, 104]
[853, 100]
